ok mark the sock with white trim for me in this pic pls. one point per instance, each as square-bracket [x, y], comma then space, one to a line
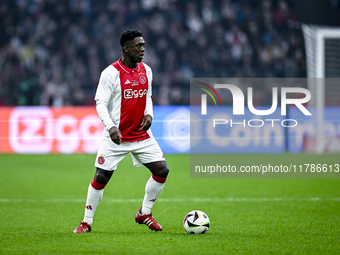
[94, 196]
[153, 188]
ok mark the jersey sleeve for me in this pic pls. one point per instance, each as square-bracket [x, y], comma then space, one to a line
[105, 87]
[104, 115]
[103, 95]
[149, 104]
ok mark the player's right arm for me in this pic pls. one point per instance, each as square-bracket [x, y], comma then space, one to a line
[115, 135]
[104, 93]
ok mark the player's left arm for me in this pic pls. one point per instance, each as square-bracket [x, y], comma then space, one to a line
[146, 123]
[148, 114]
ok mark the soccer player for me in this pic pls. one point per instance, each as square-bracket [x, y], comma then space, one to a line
[123, 103]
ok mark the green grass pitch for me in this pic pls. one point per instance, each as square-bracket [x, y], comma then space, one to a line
[42, 199]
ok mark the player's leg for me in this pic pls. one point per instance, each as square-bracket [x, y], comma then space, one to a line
[153, 189]
[94, 196]
[149, 154]
[154, 185]
[95, 193]
[108, 157]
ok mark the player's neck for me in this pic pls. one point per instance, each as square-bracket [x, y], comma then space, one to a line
[128, 63]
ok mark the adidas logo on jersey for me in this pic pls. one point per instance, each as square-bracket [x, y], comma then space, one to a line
[127, 82]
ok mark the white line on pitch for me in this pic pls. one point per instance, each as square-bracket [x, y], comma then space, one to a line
[171, 200]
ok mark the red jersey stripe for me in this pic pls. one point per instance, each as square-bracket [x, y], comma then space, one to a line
[134, 87]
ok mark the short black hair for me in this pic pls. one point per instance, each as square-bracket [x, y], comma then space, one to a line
[129, 35]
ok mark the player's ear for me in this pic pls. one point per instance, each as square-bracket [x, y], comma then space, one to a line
[125, 48]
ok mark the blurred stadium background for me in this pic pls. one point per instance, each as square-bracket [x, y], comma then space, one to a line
[52, 53]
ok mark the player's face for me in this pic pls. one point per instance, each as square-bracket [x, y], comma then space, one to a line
[136, 49]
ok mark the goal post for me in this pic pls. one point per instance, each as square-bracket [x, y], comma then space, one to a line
[323, 61]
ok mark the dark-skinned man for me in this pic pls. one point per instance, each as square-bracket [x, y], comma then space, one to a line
[124, 105]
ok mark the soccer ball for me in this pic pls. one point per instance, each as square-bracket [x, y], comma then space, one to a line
[196, 222]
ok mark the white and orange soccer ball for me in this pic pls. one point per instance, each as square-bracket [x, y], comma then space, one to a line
[196, 222]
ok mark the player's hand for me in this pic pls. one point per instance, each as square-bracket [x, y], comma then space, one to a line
[115, 135]
[146, 123]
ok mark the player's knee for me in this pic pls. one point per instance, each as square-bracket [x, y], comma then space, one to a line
[163, 172]
[102, 176]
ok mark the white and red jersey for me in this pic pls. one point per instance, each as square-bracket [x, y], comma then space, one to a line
[126, 95]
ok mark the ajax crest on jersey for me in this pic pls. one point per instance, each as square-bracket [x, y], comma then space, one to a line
[196, 222]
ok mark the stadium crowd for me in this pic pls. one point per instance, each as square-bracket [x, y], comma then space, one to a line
[52, 51]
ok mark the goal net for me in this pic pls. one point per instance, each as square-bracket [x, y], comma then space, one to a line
[323, 73]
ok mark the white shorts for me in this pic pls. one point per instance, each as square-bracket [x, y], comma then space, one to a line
[142, 152]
